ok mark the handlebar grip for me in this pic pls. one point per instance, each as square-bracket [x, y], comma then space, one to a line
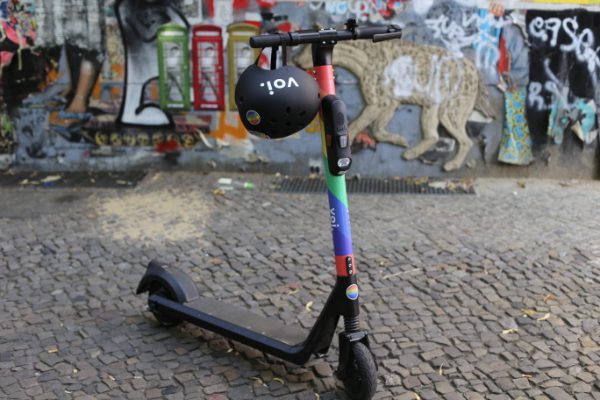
[370, 31]
[380, 37]
[271, 40]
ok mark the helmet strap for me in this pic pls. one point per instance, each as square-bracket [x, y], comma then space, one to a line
[274, 50]
[284, 55]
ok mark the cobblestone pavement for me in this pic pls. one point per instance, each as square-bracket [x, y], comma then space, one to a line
[493, 296]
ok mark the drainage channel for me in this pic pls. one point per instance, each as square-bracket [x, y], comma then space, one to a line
[379, 186]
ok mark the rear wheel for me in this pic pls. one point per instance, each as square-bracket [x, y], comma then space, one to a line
[361, 373]
[164, 319]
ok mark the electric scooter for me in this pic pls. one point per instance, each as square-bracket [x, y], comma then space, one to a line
[173, 297]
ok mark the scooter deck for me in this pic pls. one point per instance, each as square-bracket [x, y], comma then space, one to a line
[268, 327]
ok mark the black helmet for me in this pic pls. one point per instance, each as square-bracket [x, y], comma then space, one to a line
[275, 103]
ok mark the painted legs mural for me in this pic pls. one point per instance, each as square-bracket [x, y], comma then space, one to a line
[83, 67]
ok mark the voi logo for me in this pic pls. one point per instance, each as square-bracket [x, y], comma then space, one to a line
[279, 84]
[333, 218]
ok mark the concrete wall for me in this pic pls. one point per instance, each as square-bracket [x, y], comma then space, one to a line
[473, 88]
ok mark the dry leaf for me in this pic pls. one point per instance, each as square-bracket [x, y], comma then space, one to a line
[529, 312]
[527, 376]
[51, 178]
[571, 182]
[392, 275]
[545, 317]
[258, 380]
[521, 183]
[509, 331]
[218, 192]
[438, 184]
[549, 297]
[279, 380]
[309, 305]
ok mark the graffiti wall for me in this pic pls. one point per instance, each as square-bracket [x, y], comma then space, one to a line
[474, 87]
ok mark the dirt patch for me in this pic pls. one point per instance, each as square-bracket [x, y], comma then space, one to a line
[156, 215]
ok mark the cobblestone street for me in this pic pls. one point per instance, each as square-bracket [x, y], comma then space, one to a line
[493, 296]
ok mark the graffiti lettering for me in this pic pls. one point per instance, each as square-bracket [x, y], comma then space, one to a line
[581, 43]
[558, 91]
[441, 81]
[466, 33]
[452, 34]
[535, 99]
[363, 10]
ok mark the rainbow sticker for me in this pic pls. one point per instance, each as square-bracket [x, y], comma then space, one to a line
[352, 291]
[253, 117]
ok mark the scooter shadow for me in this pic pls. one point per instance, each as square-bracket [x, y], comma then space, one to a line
[263, 373]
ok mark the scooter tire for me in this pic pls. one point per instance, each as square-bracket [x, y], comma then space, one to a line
[165, 320]
[361, 378]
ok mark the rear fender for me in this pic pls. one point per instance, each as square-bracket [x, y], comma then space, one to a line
[179, 285]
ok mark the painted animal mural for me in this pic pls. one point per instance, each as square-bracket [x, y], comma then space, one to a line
[448, 89]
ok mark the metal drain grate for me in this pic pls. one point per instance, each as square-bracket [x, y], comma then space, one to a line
[98, 179]
[379, 186]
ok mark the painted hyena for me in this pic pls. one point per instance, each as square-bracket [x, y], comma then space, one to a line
[446, 86]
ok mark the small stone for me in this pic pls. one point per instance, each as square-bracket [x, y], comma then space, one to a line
[411, 382]
[558, 393]
[444, 387]
[430, 355]
[101, 388]
[581, 387]
[323, 369]
[392, 380]
[522, 383]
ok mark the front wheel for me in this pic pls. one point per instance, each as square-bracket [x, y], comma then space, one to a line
[361, 375]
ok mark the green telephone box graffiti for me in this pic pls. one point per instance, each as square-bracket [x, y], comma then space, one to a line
[174, 69]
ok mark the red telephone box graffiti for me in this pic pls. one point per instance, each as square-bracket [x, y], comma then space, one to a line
[209, 82]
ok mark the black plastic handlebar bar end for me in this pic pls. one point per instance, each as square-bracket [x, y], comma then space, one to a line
[263, 41]
[386, 36]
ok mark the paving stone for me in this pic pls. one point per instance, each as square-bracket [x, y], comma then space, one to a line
[443, 387]
[522, 383]
[557, 393]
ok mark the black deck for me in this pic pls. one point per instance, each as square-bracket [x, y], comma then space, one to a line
[268, 327]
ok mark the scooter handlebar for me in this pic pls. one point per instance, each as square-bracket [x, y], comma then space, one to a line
[376, 33]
